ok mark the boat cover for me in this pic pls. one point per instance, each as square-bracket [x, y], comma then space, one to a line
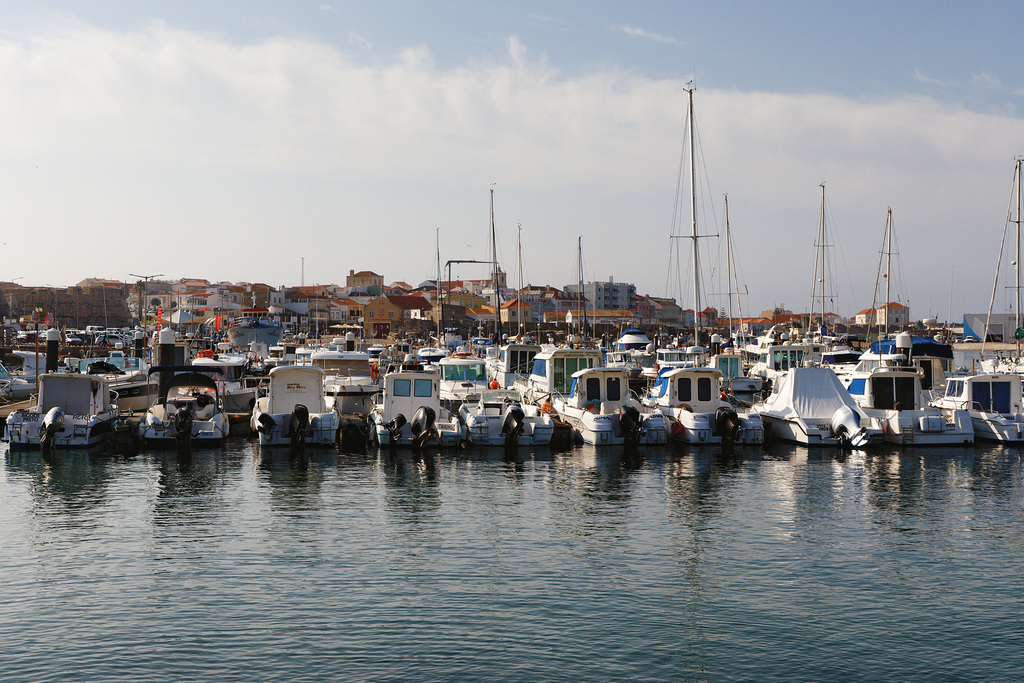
[920, 347]
[810, 393]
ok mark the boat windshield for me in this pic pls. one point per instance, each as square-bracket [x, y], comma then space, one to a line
[470, 372]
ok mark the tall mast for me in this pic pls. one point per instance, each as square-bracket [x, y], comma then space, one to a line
[728, 262]
[519, 299]
[437, 285]
[494, 276]
[693, 221]
[888, 265]
[581, 300]
[1018, 247]
[819, 258]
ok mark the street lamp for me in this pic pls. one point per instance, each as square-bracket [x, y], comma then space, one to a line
[145, 291]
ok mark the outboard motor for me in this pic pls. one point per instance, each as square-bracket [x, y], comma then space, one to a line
[512, 424]
[846, 426]
[423, 426]
[629, 424]
[52, 423]
[728, 423]
[182, 421]
[267, 423]
[298, 424]
[394, 427]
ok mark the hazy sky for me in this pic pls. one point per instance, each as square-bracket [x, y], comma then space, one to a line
[230, 140]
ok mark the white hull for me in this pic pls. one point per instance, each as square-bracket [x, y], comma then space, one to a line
[447, 434]
[807, 434]
[78, 431]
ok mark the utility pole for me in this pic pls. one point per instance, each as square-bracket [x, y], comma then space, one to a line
[144, 292]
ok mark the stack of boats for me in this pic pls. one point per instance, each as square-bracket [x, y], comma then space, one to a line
[900, 391]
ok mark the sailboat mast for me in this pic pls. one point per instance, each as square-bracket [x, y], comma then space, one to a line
[1018, 246]
[494, 276]
[519, 299]
[728, 261]
[693, 221]
[821, 241]
[888, 265]
[581, 300]
[437, 285]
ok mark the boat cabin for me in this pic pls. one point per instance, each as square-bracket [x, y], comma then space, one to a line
[553, 369]
[406, 392]
[599, 389]
[995, 393]
[698, 389]
[296, 384]
[888, 388]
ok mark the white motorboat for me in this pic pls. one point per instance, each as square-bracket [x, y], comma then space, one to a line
[552, 372]
[237, 396]
[691, 399]
[349, 377]
[512, 362]
[126, 376]
[71, 411]
[601, 410]
[408, 412]
[254, 325]
[187, 411]
[499, 417]
[296, 410]
[992, 401]
[462, 379]
[892, 395]
[810, 406]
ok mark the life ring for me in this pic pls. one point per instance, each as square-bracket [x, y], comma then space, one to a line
[687, 407]
[374, 371]
[494, 384]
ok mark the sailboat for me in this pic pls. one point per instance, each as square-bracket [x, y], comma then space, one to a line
[1014, 364]
[693, 236]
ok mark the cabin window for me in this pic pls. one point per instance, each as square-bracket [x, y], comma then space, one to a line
[684, 390]
[992, 396]
[614, 388]
[906, 393]
[539, 368]
[703, 388]
[954, 388]
[894, 393]
[593, 389]
[424, 388]
[857, 386]
[403, 387]
[926, 365]
[730, 367]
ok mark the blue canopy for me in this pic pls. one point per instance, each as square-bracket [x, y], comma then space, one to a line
[920, 347]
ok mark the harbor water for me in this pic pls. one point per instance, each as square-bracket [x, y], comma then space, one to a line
[673, 564]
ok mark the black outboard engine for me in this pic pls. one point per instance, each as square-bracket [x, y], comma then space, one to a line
[52, 423]
[728, 424]
[512, 424]
[394, 427]
[423, 426]
[298, 424]
[267, 423]
[629, 424]
[182, 421]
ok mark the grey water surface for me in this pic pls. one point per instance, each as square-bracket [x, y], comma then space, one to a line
[673, 564]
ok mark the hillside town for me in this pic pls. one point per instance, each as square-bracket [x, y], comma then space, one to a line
[395, 309]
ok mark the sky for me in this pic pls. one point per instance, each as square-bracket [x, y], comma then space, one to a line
[291, 142]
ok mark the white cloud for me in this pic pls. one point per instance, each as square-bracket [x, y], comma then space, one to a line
[648, 35]
[161, 133]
